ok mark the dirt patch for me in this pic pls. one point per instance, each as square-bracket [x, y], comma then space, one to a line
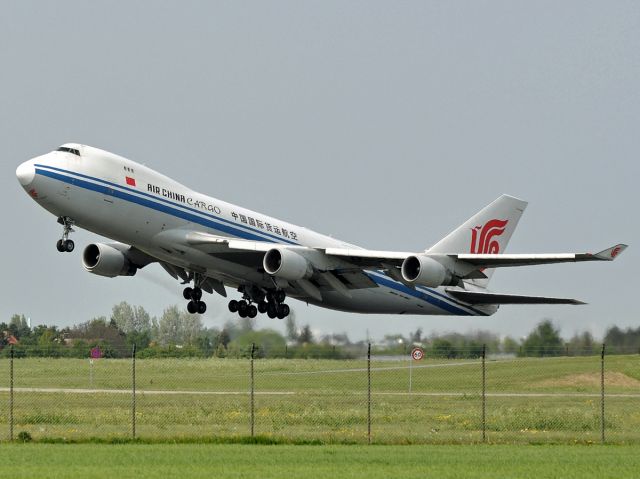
[593, 379]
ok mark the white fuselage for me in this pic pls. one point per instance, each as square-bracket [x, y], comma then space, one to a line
[132, 204]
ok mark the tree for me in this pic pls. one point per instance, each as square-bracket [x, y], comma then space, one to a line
[582, 344]
[179, 327]
[99, 331]
[292, 328]
[18, 326]
[510, 345]
[442, 348]
[306, 335]
[131, 319]
[544, 340]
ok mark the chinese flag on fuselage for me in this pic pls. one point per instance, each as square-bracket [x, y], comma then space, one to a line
[131, 181]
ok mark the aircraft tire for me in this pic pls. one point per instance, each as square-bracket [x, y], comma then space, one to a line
[191, 307]
[69, 246]
[233, 306]
[252, 311]
[202, 307]
[280, 296]
[262, 307]
[60, 246]
[187, 292]
[197, 294]
[272, 314]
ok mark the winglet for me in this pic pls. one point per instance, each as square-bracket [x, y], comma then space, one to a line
[610, 254]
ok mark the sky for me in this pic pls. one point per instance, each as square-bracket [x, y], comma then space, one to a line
[385, 124]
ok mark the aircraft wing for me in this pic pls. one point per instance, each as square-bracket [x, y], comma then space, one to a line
[331, 274]
[506, 260]
[378, 259]
[481, 297]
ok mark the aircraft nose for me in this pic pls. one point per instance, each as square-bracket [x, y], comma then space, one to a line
[26, 172]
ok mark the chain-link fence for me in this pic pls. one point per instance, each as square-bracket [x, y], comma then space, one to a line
[376, 399]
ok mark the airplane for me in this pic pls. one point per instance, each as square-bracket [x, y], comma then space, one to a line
[211, 244]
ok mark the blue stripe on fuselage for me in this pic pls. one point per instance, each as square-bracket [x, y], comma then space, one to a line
[235, 229]
[216, 225]
[435, 301]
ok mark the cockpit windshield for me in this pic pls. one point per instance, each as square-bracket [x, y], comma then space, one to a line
[69, 150]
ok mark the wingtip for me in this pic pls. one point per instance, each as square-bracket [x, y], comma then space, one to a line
[612, 253]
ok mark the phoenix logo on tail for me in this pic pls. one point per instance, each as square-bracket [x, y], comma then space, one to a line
[486, 243]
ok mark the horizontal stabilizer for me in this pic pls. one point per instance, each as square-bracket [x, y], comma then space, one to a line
[476, 297]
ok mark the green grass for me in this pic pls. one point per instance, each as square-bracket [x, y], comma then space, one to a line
[326, 400]
[238, 461]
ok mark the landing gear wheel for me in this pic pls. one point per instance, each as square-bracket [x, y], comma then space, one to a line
[272, 312]
[60, 246]
[192, 307]
[286, 310]
[280, 311]
[233, 306]
[262, 307]
[280, 296]
[252, 311]
[242, 308]
[202, 307]
[69, 245]
[187, 292]
[196, 294]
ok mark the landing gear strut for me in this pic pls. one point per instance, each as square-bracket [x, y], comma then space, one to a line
[272, 303]
[65, 244]
[194, 295]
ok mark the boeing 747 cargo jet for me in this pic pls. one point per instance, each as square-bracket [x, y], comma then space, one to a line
[212, 245]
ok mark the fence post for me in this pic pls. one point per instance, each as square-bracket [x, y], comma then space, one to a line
[253, 348]
[369, 393]
[484, 393]
[133, 392]
[602, 424]
[11, 395]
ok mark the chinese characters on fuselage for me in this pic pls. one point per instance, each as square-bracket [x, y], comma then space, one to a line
[248, 220]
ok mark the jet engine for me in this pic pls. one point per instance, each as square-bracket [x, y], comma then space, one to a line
[426, 271]
[105, 260]
[286, 264]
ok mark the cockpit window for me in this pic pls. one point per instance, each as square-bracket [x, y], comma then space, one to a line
[69, 150]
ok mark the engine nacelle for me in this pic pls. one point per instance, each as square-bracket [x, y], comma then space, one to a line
[286, 264]
[105, 260]
[426, 272]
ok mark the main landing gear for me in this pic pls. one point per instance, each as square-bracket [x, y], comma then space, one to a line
[65, 244]
[272, 303]
[194, 295]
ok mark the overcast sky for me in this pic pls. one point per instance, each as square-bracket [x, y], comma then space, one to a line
[386, 124]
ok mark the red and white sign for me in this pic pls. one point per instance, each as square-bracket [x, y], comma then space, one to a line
[417, 354]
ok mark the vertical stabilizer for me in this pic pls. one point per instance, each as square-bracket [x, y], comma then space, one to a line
[487, 232]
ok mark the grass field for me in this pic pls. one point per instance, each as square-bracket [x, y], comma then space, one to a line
[237, 461]
[528, 400]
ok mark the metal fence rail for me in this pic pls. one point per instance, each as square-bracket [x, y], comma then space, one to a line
[367, 400]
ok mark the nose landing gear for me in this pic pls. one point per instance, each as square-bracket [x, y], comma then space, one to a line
[65, 244]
